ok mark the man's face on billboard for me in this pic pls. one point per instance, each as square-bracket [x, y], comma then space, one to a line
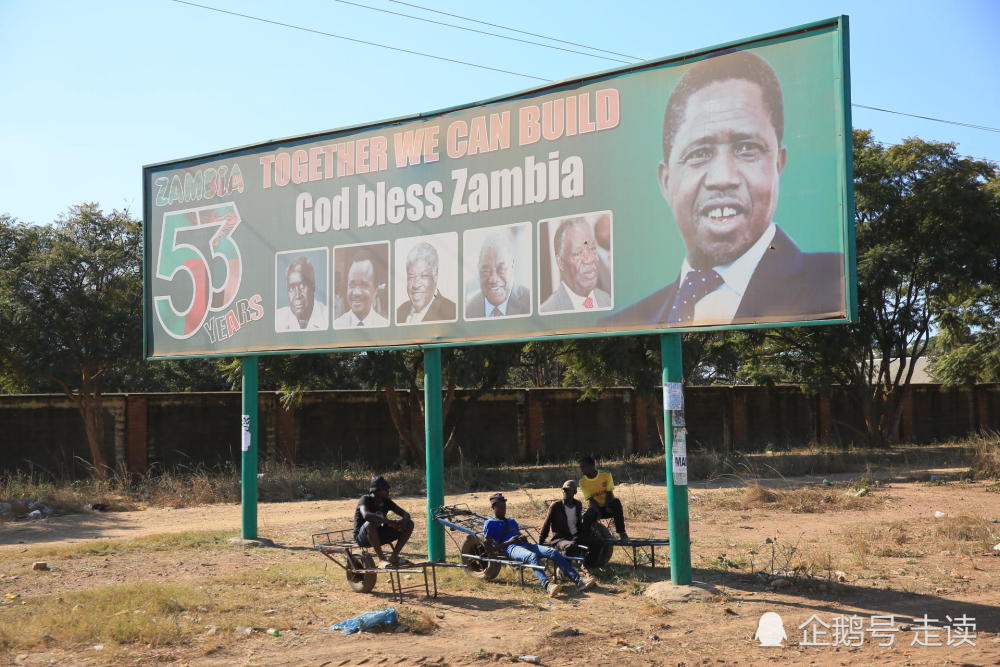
[361, 288]
[300, 295]
[421, 283]
[577, 259]
[721, 178]
[496, 274]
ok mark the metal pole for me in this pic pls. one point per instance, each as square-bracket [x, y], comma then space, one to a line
[249, 444]
[675, 444]
[434, 449]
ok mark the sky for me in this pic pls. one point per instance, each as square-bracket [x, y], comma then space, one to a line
[92, 90]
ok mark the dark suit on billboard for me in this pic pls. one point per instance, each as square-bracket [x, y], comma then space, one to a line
[560, 301]
[787, 285]
[441, 309]
[518, 303]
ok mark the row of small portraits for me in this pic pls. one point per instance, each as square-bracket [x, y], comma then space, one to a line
[575, 275]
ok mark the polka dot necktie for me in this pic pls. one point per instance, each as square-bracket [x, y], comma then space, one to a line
[697, 284]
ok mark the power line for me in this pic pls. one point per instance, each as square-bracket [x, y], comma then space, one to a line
[523, 32]
[360, 41]
[936, 120]
[504, 71]
[481, 32]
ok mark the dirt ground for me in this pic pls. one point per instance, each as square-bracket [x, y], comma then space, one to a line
[891, 557]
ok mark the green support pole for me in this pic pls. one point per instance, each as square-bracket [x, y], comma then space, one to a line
[675, 444]
[249, 444]
[434, 448]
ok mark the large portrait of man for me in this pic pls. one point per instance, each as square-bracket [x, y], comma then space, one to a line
[362, 276]
[426, 273]
[301, 291]
[573, 271]
[723, 157]
[498, 272]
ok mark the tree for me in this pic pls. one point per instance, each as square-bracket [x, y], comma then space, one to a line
[70, 308]
[927, 227]
[967, 347]
[476, 368]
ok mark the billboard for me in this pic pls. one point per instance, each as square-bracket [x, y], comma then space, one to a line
[702, 191]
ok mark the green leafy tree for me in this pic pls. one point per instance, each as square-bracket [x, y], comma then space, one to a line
[70, 298]
[476, 369]
[966, 349]
[927, 229]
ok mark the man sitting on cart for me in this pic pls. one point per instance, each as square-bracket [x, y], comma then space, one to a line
[504, 533]
[598, 490]
[565, 520]
[374, 529]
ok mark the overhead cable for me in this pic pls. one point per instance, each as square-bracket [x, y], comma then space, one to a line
[360, 41]
[523, 32]
[974, 126]
[481, 32]
[936, 120]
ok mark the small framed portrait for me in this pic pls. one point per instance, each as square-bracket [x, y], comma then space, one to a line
[575, 271]
[301, 290]
[497, 271]
[426, 283]
[361, 285]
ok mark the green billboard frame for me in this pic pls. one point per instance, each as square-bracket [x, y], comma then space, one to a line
[842, 114]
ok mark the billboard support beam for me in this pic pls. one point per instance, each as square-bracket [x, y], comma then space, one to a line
[249, 444]
[678, 522]
[434, 451]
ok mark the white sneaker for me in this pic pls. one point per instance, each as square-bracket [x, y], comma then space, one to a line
[586, 583]
[554, 589]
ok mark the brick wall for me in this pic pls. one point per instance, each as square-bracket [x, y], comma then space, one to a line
[513, 426]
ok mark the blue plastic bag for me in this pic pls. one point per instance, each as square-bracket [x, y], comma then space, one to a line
[367, 621]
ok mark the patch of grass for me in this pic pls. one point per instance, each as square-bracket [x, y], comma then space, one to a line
[969, 529]
[157, 614]
[285, 482]
[802, 500]
[892, 539]
[419, 622]
[166, 542]
[986, 457]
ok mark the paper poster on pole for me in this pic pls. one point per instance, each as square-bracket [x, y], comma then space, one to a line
[673, 396]
[679, 462]
[245, 433]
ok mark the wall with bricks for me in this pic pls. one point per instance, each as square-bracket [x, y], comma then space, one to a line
[149, 432]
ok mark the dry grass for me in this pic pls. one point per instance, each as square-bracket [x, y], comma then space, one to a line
[893, 539]
[213, 539]
[965, 530]
[156, 614]
[282, 481]
[986, 457]
[801, 500]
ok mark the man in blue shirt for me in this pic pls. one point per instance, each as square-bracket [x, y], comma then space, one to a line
[504, 534]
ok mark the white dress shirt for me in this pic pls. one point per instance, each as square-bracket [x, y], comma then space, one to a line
[721, 305]
[417, 317]
[578, 300]
[285, 319]
[349, 320]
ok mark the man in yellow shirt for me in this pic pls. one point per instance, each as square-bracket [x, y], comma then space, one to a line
[597, 488]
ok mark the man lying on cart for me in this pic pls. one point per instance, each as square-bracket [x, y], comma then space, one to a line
[373, 528]
[504, 534]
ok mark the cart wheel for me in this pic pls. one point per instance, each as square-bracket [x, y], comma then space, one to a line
[600, 556]
[361, 583]
[474, 546]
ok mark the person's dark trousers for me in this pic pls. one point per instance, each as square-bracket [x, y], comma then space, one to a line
[572, 547]
[613, 509]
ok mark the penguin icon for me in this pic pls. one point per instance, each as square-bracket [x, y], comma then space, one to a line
[770, 630]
